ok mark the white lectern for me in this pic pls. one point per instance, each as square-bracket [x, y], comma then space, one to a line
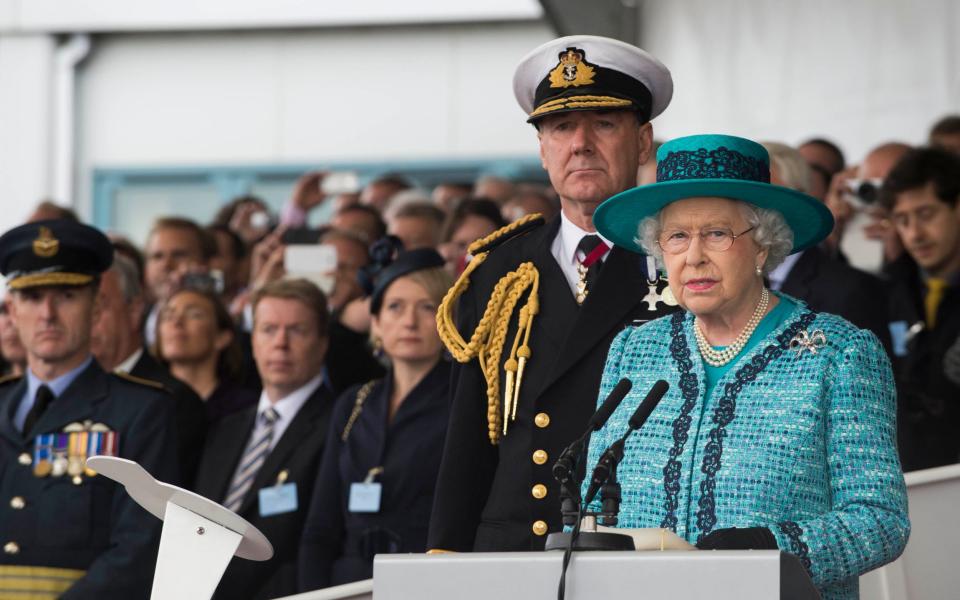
[678, 575]
[199, 536]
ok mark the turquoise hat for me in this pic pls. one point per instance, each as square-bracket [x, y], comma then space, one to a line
[722, 166]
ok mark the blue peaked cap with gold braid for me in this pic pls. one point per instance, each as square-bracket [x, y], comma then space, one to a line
[722, 166]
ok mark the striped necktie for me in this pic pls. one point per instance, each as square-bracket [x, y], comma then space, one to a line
[253, 458]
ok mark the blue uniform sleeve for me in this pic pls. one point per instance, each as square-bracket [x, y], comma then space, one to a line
[868, 525]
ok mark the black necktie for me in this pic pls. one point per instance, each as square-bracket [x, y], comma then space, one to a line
[40, 403]
[587, 245]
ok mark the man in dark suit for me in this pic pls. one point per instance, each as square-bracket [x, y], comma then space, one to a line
[591, 100]
[262, 462]
[117, 344]
[64, 529]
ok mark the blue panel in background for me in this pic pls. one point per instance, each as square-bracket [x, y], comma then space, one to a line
[128, 200]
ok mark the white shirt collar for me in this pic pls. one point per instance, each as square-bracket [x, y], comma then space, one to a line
[128, 363]
[570, 236]
[287, 407]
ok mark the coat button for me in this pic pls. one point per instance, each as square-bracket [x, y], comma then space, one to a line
[542, 420]
[539, 491]
[540, 457]
[14, 548]
[25, 459]
[539, 528]
[17, 503]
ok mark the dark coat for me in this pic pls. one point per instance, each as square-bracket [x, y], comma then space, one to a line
[229, 397]
[93, 526]
[484, 500]
[338, 545]
[829, 285]
[928, 401]
[298, 453]
[189, 413]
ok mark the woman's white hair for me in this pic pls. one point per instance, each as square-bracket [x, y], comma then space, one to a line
[770, 231]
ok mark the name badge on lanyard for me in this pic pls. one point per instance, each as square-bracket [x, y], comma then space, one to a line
[365, 495]
[279, 498]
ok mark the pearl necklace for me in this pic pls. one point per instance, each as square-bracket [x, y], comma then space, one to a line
[718, 358]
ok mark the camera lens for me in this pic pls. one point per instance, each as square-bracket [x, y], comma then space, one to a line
[867, 192]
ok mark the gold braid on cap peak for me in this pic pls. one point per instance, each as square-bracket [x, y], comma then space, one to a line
[488, 339]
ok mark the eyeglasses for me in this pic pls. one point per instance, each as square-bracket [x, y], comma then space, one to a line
[716, 239]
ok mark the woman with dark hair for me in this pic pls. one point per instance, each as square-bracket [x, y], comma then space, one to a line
[197, 340]
[386, 436]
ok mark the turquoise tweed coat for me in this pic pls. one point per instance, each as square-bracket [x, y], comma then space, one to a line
[799, 441]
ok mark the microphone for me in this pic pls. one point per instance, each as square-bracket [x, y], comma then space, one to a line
[612, 456]
[616, 396]
[564, 466]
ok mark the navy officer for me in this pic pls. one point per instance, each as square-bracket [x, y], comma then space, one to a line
[539, 303]
[65, 531]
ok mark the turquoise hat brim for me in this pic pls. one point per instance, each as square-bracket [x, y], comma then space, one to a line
[619, 217]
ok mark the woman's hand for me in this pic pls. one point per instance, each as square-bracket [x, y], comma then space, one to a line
[736, 538]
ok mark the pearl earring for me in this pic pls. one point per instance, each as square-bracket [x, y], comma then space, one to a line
[759, 271]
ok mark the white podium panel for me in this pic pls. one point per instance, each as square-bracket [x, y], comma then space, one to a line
[928, 566]
[718, 575]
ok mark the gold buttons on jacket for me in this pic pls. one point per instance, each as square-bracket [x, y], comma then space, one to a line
[14, 548]
[17, 502]
[25, 459]
[539, 491]
[539, 457]
[539, 527]
[542, 420]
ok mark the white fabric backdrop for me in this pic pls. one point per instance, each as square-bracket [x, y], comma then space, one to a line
[861, 72]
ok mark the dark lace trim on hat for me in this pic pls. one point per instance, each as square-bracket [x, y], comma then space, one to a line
[681, 425]
[720, 163]
[724, 414]
[797, 546]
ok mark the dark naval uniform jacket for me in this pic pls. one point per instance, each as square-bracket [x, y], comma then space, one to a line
[338, 544]
[296, 455]
[89, 523]
[503, 497]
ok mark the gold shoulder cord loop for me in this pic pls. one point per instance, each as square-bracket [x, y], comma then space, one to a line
[488, 339]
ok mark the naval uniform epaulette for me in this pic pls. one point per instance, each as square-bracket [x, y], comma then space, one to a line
[506, 233]
[489, 338]
[10, 378]
[140, 380]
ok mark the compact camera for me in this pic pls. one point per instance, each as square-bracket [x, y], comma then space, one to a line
[862, 193]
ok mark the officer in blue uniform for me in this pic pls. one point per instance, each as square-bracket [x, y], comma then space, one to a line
[64, 530]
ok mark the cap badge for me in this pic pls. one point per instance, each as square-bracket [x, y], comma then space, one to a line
[46, 246]
[572, 70]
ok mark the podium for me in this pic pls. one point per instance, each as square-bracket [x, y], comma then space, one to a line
[927, 568]
[718, 575]
[199, 536]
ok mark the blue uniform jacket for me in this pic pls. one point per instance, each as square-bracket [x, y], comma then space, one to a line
[94, 526]
[799, 441]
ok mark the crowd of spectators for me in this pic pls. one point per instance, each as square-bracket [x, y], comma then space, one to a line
[209, 311]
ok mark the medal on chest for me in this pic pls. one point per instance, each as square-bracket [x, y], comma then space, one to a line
[654, 281]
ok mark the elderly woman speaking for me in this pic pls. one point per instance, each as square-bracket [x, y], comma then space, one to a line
[779, 427]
